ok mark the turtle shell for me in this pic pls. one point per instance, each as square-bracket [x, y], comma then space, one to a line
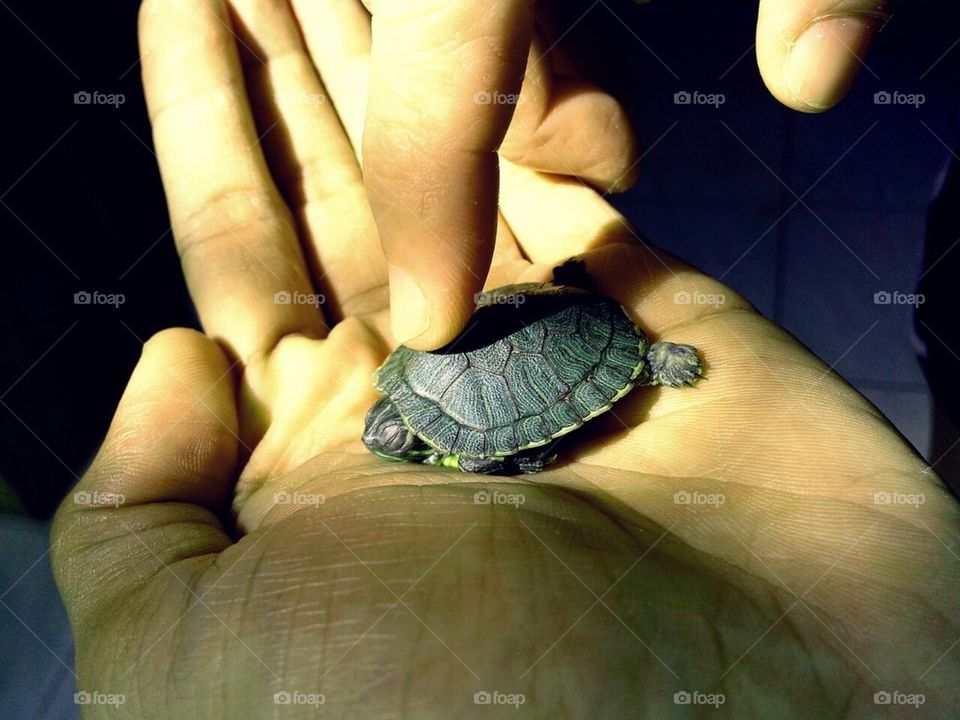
[535, 363]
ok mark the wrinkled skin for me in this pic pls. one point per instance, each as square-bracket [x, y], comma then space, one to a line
[725, 539]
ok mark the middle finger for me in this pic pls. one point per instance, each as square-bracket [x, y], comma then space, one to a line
[312, 160]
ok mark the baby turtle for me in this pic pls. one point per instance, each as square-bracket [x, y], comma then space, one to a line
[535, 363]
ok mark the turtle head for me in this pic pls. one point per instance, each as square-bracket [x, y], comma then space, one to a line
[385, 433]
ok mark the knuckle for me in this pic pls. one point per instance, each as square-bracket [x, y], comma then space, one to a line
[229, 213]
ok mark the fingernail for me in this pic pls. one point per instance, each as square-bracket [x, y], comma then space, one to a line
[409, 310]
[825, 59]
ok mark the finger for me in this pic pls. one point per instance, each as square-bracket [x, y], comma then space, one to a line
[569, 126]
[508, 264]
[312, 160]
[661, 290]
[164, 470]
[337, 35]
[555, 217]
[809, 51]
[235, 236]
[430, 163]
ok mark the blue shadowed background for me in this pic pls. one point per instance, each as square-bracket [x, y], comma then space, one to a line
[820, 221]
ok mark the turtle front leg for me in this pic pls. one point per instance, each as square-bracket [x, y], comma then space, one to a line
[673, 365]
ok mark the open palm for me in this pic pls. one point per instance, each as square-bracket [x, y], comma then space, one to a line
[764, 544]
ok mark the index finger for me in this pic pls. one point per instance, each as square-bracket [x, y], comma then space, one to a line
[430, 163]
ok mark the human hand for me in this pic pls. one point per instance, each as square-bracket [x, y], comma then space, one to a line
[430, 168]
[723, 539]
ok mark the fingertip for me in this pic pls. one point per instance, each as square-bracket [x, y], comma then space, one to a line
[178, 344]
[616, 163]
[409, 307]
[585, 133]
[437, 236]
[814, 71]
[173, 436]
[426, 319]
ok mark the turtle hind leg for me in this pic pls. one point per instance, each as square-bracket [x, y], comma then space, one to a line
[533, 461]
[673, 365]
[483, 466]
[527, 462]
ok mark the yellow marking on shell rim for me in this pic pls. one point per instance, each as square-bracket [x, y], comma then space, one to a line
[599, 411]
[560, 433]
[570, 428]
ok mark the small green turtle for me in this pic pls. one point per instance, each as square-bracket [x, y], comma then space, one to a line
[535, 363]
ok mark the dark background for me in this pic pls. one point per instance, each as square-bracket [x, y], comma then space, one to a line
[82, 206]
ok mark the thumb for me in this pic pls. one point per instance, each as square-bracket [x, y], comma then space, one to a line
[809, 51]
[150, 496]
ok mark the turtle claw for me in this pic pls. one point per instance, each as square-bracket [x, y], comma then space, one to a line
[673, 365]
